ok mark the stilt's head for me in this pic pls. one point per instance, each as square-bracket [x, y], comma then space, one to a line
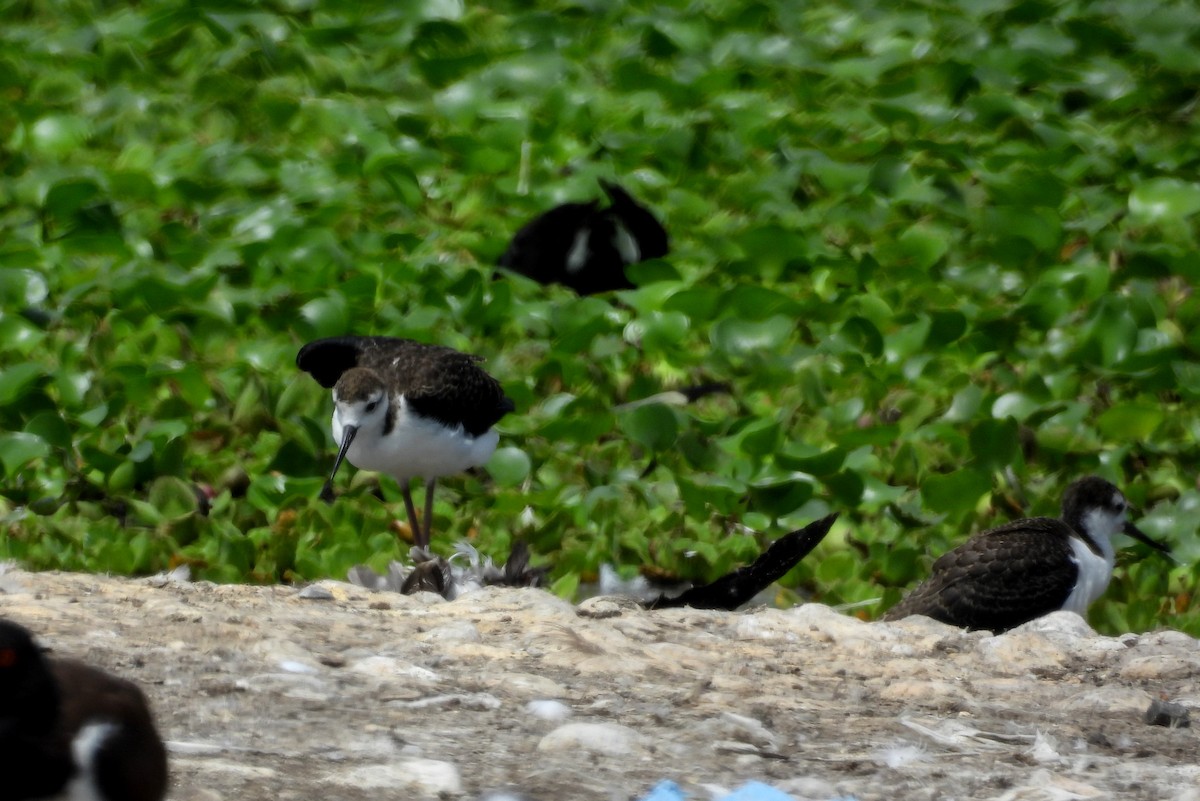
[360, 402]
[27, 692]
[1097, 509]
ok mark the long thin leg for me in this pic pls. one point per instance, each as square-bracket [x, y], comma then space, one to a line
[413, 523]
[429, 485]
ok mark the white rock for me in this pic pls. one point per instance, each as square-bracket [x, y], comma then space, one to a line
[293, 685]
[1019, 652]
[1168, 638]
[458, 632]
[809, 788]
[386, 667]
[548, 709]
[1159, 667]
[1111, 700]
[601, 607]
[609, 739]
[1046, 786]
[1069, 624]
[742, 729]
[524, 684]
[414, 774]
[315, 592]
[939, 694]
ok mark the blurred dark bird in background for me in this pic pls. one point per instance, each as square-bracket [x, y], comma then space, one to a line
[585, 246]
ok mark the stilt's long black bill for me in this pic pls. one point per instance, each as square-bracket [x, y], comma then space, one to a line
[348, 433]
[1141, 536]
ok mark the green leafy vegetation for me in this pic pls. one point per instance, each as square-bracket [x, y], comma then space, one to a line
[944, 252]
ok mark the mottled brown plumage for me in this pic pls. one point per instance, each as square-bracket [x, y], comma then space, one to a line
[1028, 568]
[998, 579]
[438, 382]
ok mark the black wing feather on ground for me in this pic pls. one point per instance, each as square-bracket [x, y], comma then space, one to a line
[736, 588]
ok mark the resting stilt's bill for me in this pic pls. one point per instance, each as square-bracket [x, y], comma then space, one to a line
[72, 731]
[407, 409]
[1028, 568]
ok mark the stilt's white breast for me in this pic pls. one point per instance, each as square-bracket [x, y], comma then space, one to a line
[1095, 571]
[418, 447]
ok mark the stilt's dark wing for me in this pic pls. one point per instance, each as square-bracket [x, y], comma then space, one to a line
[326, 359]
[438, 382]
[452, 388]
[736, 588]
[998, 579]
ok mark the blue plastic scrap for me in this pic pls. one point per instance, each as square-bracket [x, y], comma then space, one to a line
[666, 791]
[757, 791]
[750, 791]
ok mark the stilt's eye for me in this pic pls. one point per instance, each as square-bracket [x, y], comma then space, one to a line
[371, 406]
[8, 657]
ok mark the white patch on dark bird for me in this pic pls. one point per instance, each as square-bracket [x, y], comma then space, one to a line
[577, 256]
[84, 748]
[1095, 569]
[626, 244]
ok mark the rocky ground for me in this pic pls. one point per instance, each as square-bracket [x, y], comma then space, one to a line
[337, 692]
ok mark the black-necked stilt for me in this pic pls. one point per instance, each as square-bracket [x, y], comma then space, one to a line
[587, 247]
[1028, 568]
[69, 730]
[407, 409]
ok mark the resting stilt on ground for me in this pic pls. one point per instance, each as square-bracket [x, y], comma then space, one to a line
[1012, 574]
[69, 730]
[407, 409]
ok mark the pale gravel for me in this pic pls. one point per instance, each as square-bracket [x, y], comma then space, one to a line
[349, 694]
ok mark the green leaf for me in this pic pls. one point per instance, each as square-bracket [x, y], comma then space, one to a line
[1162, 199]
[1130, 422]
[955, 493]
[18, 449]
[51, 428]
[59, 135]
[922, 246]
[17, 380]
[172, 497]
[760, 438]
[995, 443]
[653, 426]
[738, 337]
[509, 466]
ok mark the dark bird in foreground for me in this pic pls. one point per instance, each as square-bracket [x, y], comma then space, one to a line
[407, 409]
[1010, 575]
[736, 588]
[69, 730]
[585, 246]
